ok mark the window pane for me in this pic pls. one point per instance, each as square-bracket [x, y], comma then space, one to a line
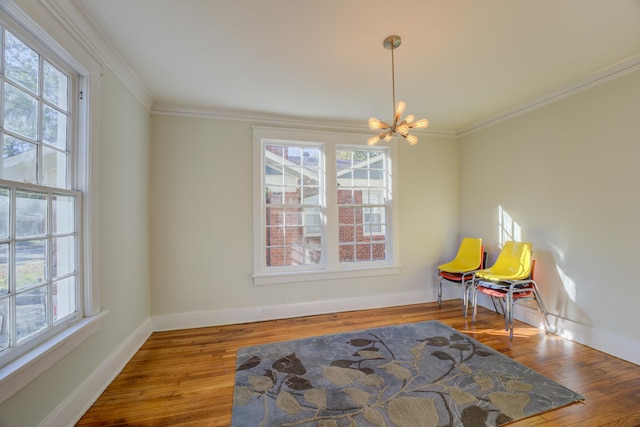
[347, 233]
[347, 253]
[293, 217]
[345, 196]
[4, 212]
[379, 251]
[313, 255]
[63, 258]
[30, 263]
[31, 214]
[63, 214]
[4, 323]
[19, 160]
[54, 127]
[31, 312]
[363, 252]
[20, 112]
[54, 168]
[64, 298]
[346, 215]
[55, 86]
[4, 269]
[21, 63]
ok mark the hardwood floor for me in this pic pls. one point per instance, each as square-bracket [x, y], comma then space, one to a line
[185, 378]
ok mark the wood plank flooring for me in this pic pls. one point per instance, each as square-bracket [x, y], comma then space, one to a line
[185, 378]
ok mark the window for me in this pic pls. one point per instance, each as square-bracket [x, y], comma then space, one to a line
[39, 208]
[323, 203]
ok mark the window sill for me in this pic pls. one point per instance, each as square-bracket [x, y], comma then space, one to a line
[23, 370]
[319, 275]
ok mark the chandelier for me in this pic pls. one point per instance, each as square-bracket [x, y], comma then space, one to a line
[401, 126]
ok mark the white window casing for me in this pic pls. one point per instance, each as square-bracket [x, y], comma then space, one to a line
[330, 266]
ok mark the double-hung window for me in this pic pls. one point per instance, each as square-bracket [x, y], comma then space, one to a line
[40, 206]
[323, 206]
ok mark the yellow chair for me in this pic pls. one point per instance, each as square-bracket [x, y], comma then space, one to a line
[508, 280]
[470, 257]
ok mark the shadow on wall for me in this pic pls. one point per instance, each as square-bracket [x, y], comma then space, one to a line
[559, 290]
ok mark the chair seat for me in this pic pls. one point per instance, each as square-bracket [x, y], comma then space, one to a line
[459, 267]
[489, 274]
[454, 277]
[500, 289]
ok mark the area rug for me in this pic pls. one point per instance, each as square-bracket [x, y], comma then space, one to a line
[410, 375]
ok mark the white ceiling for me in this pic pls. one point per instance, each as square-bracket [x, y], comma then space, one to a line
[460, 62]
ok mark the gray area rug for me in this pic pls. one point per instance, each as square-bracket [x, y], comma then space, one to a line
[411, 375]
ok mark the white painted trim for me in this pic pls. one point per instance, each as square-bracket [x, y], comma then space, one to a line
[77, 23]
[604, 75]
[312, 276]
[197, 319]
[75, 20]
[279, 120]
[75, 405]
[614, 345]
[23, 370]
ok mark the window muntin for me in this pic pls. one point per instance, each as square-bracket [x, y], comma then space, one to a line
[39, 209]
[292, 209]
[362, 184]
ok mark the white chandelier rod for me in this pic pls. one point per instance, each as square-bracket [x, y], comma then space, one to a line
[393, 83]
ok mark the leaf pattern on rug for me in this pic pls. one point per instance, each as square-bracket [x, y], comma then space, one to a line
[422, 374]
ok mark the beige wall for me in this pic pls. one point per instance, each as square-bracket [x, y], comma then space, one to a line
[175, 219]
[123, 257]
[568, 174]
[201, 210]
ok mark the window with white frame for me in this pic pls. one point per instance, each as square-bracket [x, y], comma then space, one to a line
[40, 206]
[322, 206]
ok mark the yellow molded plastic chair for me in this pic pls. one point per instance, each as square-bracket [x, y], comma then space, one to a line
[470, 257]
[509, 279]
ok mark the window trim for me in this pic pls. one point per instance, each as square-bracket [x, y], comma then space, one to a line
[22, 370]
[332, 268]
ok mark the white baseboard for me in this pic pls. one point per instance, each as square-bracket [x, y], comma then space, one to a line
[72, 409]
[614, 345]
[282, 311]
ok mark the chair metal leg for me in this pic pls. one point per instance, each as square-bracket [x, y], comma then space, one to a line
[474, 302]
[542, 310]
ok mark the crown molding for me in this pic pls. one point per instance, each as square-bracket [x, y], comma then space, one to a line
[78, 24]
[278, 120]
[601, 76]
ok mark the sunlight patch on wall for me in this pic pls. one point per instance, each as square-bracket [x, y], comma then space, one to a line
[508, 229]
[568, 283]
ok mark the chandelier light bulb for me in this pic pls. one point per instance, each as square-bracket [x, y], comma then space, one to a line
[412, 139]
[409, 119]
[421, 124]
[400, 107]
[374, 123]
[373, 140]
[403, 129]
